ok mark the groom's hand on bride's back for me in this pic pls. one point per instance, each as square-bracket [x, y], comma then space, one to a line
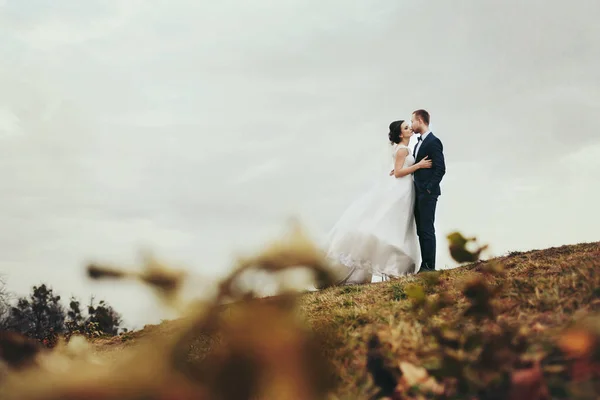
[425, 163]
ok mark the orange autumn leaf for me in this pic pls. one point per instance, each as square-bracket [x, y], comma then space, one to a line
[577, 343]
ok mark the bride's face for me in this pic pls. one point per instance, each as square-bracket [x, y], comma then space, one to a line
[405, 130]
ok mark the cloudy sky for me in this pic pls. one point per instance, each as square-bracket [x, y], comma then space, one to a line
[196, 128]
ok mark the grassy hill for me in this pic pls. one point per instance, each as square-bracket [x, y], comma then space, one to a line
[490, 329]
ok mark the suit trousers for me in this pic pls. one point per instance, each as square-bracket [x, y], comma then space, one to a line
[425, 205]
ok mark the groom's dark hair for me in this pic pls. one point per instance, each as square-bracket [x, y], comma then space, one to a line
[422, 115]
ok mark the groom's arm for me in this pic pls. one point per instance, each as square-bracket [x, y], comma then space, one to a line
[439, 165]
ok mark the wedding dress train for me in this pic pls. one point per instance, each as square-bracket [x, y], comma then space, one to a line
[377, 234]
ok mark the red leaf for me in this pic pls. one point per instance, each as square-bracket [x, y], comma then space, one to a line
[528, 384]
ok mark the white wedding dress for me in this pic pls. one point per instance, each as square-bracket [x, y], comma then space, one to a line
[377, 234]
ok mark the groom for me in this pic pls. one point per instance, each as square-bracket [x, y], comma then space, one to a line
[427, 185]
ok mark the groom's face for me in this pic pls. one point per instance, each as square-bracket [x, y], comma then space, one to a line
[416, 123]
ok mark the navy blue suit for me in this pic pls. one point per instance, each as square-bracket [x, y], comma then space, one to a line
[427, 185]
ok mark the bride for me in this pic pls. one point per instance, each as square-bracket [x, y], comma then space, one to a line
[377, 234]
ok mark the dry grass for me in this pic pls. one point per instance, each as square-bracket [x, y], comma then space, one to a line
[493, 329]
[541, 291]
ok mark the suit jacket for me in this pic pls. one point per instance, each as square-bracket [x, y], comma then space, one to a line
[427, 180]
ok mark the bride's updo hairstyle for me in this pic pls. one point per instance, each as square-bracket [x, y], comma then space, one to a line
[395, 131]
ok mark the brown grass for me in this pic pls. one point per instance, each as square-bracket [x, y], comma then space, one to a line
[542, 291]
[480, 331]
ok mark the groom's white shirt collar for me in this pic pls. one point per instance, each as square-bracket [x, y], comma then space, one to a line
[423, 136]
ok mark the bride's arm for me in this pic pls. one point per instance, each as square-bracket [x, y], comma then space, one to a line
[399, 171]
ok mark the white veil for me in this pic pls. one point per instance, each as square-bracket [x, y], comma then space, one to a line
[386, 162]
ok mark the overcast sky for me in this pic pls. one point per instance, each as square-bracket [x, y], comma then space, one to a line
[196, 128]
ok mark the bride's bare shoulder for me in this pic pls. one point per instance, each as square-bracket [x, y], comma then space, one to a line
[402, 147]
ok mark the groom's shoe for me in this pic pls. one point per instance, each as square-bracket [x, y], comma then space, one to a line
[424, 269]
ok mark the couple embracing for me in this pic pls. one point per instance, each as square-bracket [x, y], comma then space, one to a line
[389, 231]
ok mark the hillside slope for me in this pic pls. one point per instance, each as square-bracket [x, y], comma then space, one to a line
[469, 327]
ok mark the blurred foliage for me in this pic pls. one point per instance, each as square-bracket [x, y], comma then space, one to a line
[261, 349]
[458, 247]
[443, 335]
[478, 355]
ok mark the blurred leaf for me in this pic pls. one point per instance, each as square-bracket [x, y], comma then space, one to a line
[95, 271]
[449, 338]
[17, 350]
[415, 293]
[479, 294]
[528, 384]
[385, 377]
[582, 347]
[458, 248]
[437, 304]
[431, 279]
[493, 268]
[577, 343]
[413, 376]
